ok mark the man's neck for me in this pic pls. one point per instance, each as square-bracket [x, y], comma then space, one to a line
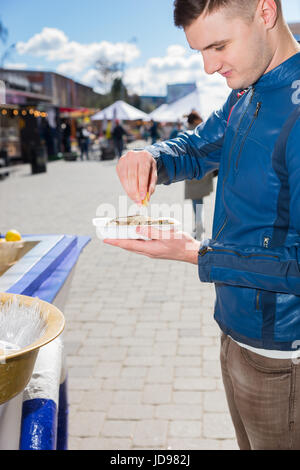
[286, 47]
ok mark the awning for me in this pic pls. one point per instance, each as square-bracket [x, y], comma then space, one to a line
[121, 111]
[76, 112]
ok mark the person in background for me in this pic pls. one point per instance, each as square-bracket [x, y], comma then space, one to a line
[66, 136]
[118, 134]
[107, 131]
[84, 142]
[154, 132]
[176, 130]
[196, 190]
[4, 156]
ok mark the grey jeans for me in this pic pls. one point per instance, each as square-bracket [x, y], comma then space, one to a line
[263, 397]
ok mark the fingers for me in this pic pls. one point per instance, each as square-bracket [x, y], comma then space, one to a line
[153, 179]
[133, 182]
[137, 171]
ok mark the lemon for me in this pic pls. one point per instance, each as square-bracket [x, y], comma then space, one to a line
[146, 200]
[13, 236]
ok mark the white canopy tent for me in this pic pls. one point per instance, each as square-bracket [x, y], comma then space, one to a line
[204, 101]
[121, 111]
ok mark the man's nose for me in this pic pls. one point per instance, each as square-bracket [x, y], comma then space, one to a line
[211, 65]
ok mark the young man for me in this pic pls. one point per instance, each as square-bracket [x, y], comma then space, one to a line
[254, 255]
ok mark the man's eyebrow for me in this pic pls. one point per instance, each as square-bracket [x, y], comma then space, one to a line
[214, 44]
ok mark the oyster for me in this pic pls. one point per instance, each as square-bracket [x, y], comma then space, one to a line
[139, 220]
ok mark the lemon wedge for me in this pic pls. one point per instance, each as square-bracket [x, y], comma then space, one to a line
[13, 236]
[146, 200]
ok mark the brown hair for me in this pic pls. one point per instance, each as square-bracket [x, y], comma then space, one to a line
[187, 11]
[194, 118]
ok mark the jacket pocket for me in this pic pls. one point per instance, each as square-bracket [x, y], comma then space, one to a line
[266, 364]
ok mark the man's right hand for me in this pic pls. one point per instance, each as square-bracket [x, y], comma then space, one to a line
[137, 171]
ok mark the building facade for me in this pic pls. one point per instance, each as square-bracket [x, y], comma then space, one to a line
[32, 109]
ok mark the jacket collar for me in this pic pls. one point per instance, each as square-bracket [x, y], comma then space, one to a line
[281, 75]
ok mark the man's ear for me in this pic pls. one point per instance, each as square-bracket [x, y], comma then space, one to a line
[268, 12]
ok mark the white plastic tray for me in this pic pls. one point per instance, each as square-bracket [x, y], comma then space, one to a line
[121, 232]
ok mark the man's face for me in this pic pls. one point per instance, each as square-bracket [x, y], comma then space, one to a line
[232, 47]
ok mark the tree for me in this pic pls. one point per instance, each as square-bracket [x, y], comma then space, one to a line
[3, 33]
[135, 100]
[118, 90]
[107, 71]
[3, 38]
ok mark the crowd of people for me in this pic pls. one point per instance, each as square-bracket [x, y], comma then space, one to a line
[116, 134]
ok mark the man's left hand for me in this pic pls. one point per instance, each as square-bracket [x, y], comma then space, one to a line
[171, 245]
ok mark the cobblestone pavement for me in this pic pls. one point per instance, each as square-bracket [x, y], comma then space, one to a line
[141, 341]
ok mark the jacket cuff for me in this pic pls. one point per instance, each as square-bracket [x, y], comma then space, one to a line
[204, 267]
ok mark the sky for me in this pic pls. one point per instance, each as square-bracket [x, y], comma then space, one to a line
[68, 36]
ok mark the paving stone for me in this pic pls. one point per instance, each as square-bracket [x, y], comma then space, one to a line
[176, 412]
[189, 361]
[143, 361]
[118, 429]
[127, 412]
[157, 394]
[112, 353]
[192, 444]
[86, 423]
[188, 397]
[229, 444]
[150, 433]
[134, 372]
[211, 353]
[75, 396]
[96, 400]
[215, 401]
[123, 383]
[76, 383]
[108, 369]
[218, 426]
[166, 336]
[84, 372]
[160, 375]
[188, 372]
[108, 443]
[195, 384]
[127, 397]
[211, 369]
[185, 429]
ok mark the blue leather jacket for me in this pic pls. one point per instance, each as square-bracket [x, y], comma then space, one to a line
[254, 254]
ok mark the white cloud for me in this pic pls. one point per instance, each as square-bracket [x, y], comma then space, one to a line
[177, 66]
[75, 58]
[50, 39]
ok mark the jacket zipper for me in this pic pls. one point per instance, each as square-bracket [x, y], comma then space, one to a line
[258, 106]
[221, 229]
[229, 159]
[258, 300]
[207, 249]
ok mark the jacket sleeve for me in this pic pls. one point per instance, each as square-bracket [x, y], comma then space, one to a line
[193, 154]
[274, 269]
